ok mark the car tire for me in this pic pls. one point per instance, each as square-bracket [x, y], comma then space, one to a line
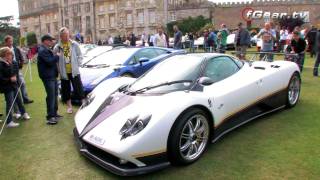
[185, 146]
[293, 90]
[127, 75]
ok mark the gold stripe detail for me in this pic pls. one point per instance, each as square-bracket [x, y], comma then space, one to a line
[247, 106]
[148, 153]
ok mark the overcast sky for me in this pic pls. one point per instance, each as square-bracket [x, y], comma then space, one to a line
[10, 7]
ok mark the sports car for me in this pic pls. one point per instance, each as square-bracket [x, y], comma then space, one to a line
[170, 114]
[132, 62]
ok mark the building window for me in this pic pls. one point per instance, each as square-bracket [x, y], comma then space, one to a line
[152, 2]
[129, 19]
[66, 23]
[66, 11]
[87, 7]
[77, 24]
[128, 3]
[172, 16]
[88, 22]
[111, 7]
[25, 29]
[76, 8]
[56, 26]
[101, 8]
[65, 2]
[37, 29]
[152, 17]
[48, 28]
[101, 22]
[140, 17]
[112, 21]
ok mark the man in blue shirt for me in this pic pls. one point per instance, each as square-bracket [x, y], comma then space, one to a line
[177, 38]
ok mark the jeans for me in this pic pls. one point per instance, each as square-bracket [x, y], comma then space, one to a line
[316, 65]
[51, 87]
[23, 87]
[192, 46]
[9, 97]
[301, 61]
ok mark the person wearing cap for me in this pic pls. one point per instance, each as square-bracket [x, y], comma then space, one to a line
[48, 73]
[70, 60]
[242, 41]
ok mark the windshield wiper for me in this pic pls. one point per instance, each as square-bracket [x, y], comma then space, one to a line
[168, 83]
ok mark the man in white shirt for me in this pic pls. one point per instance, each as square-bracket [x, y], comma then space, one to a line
[110, 40]
[160, 39]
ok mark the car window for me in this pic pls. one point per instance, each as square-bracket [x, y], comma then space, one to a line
[220, 68]
[161, 51]
[146, 53]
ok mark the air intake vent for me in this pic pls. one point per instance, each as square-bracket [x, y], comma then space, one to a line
[261, 68]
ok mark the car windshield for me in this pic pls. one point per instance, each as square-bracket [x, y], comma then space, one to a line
[166, 77]
[113, 57]
[94, 52]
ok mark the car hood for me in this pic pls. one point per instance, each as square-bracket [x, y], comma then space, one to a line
[119, 107]
[89, 75]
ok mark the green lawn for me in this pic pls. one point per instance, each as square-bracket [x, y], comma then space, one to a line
[284, 145]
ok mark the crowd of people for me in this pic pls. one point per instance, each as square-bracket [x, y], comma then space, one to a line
[62, 58]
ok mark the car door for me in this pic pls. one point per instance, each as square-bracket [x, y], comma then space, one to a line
[149, 53]
[233, 89]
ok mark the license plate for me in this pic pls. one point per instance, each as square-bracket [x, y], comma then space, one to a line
[97, 140]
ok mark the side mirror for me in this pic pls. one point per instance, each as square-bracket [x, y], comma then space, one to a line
[205, 81]
[143, 60]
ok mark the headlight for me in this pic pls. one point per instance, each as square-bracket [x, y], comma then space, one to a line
[134, 125]
[88, 100]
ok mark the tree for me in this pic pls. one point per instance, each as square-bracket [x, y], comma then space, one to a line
[291, 23]
[190, 24]
[6, 28]
[31, 39]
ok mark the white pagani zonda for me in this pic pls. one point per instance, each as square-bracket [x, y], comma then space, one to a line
[170, 114]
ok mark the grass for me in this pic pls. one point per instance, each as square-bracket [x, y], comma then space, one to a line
[284, 145]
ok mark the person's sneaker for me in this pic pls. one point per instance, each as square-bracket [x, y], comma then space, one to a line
[12, 124]
[17, 115]
[52, 121]
[26, 116]
[28, 101]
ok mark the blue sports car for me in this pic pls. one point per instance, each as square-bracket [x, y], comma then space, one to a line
[130, 62]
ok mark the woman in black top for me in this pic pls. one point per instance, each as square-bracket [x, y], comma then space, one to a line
[8, 85]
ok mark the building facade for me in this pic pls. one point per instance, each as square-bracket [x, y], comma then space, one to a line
[39, 16]
[77, 15]
[121, 17]
[99, 19]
